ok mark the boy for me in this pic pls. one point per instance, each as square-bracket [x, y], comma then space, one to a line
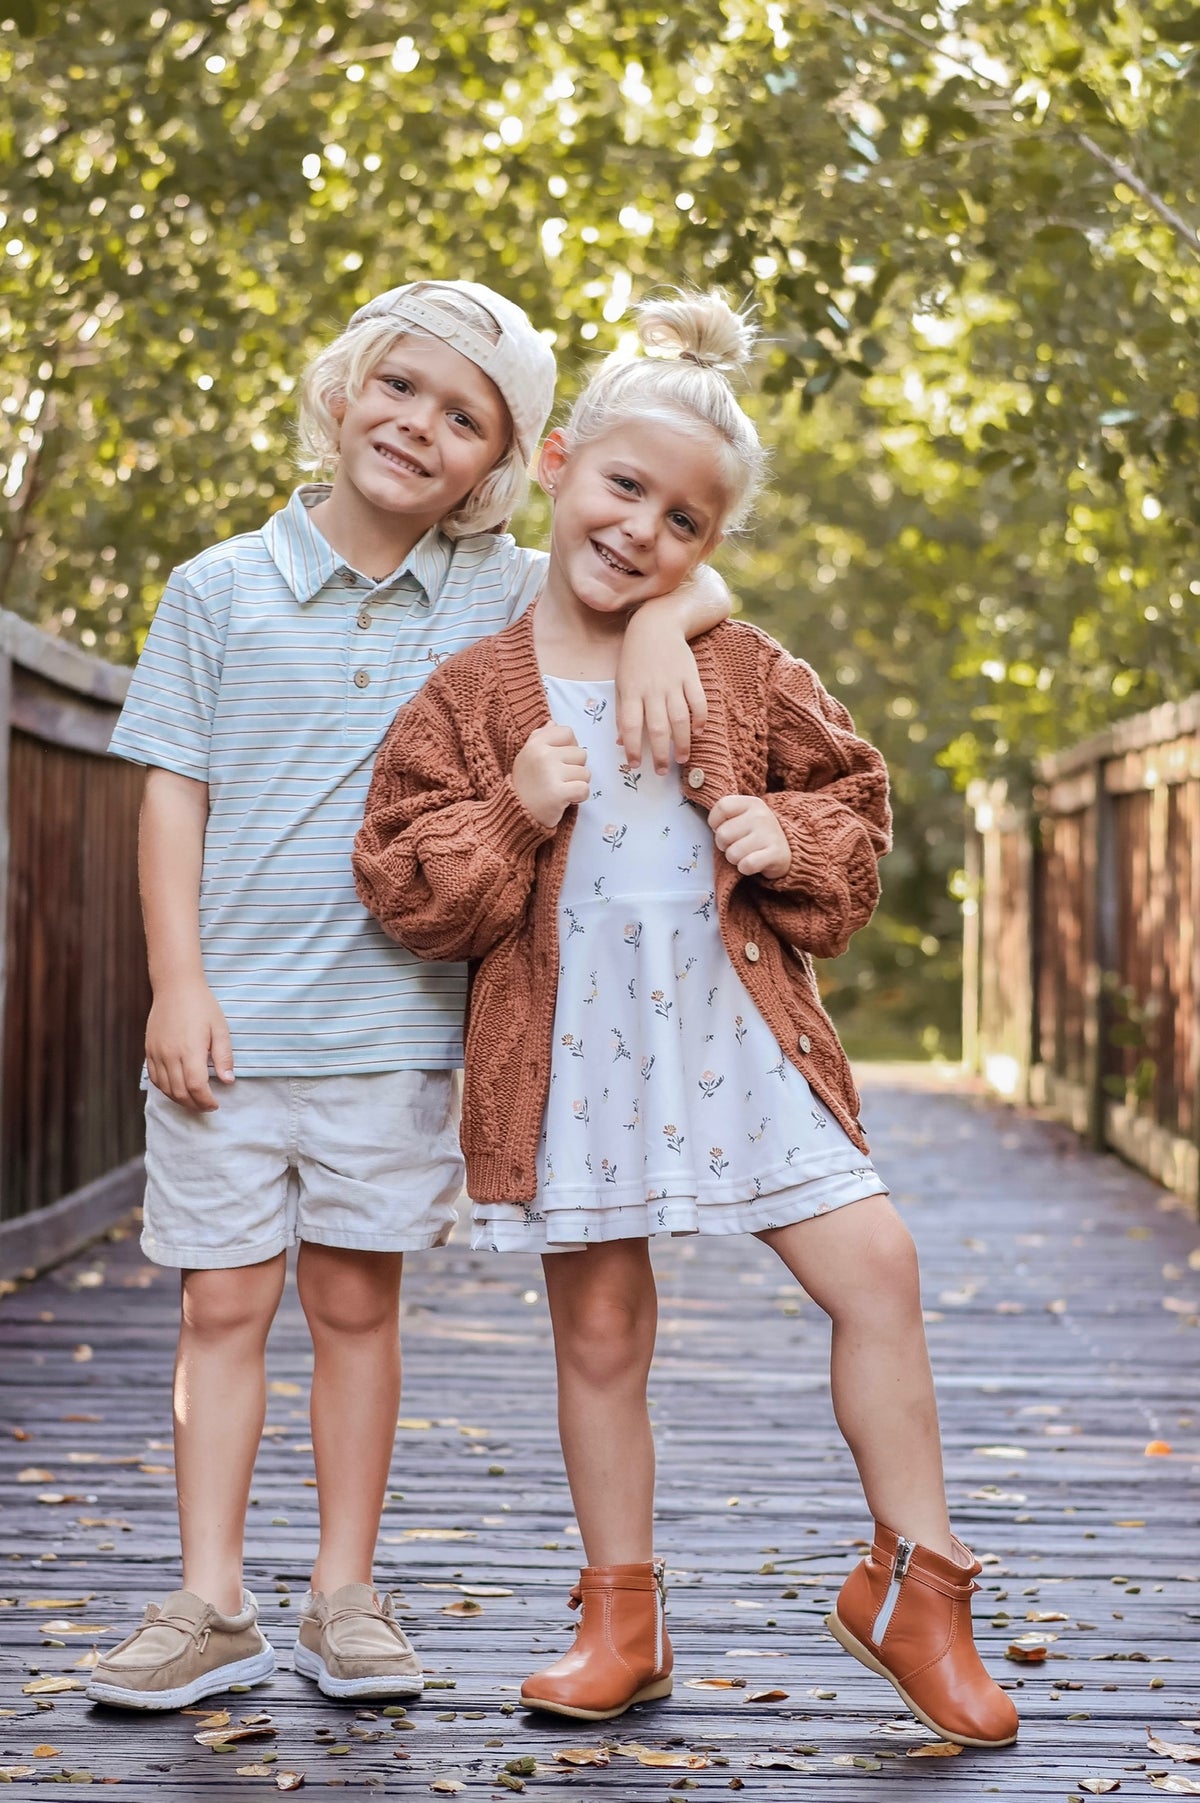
[274, 667]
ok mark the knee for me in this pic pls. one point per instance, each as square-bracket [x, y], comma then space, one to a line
[239, 1304]
[887, 1283]
[607, 1339]
[349, 1304]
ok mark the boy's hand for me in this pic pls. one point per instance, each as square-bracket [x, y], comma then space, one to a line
[749, 834]
[659, 693]
[550, 773]
[185, 1030]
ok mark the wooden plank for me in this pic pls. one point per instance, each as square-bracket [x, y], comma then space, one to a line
[61, 717]
[35, 1241]
[61, 663]
[1056, 1362]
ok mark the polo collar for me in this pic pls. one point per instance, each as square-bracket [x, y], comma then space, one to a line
[308, 563]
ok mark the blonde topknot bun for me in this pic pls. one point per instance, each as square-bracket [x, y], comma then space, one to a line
[696, 328]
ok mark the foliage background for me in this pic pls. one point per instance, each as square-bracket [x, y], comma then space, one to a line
[969, 233]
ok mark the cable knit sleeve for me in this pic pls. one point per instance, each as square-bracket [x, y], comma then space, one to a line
[445, 855]
[829, 789]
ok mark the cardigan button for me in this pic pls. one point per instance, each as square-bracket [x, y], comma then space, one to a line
[751, 951]
[695, 778]
[804, 1043]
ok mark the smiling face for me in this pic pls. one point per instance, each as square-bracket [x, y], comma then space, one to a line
[634, 511]
[425, 431]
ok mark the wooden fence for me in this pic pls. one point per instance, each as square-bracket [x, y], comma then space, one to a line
[73, 990]
[1082, 950]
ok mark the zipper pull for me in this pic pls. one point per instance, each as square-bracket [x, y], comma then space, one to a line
[904, 1552]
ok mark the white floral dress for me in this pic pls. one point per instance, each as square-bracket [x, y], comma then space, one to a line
[671, 1108]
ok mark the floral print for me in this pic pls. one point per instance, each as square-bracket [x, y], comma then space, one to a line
[686, 1115]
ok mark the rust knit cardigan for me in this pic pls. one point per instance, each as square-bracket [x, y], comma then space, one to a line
[454, 867]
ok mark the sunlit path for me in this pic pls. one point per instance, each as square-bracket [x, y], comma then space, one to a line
[1063, 1325]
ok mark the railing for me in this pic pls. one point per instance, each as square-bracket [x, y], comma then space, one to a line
[1082, 950]
[73, 991]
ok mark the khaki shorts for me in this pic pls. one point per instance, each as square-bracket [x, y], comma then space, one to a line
[367, 1162]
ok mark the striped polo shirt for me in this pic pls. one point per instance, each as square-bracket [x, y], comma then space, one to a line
[272, 672]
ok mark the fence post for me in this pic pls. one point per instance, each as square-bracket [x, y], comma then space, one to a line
[5, 737]
[1097, 1002]
[972, 963]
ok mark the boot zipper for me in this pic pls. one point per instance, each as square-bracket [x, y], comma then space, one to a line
[660, 1604]
[904, 1552]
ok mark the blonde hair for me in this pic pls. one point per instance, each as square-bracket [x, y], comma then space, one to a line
[339, 374]
[689, 342]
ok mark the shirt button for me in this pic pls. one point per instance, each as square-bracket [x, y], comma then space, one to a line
[364, 620]
[804, 1043]
[751, 951]
[361, 679]
[696, 778]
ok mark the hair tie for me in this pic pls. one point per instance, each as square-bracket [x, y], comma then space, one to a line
[694, 357]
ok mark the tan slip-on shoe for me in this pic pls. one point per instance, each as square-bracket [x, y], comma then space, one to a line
[183, 1650]
[351, 1644]
[905, 1613]
[622, 1653]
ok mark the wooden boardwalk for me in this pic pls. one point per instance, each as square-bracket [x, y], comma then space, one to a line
[1063, 1294]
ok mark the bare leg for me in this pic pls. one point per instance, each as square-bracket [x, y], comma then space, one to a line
[859, 1264]
[220, 1402]
[352, 1304]
[604, 1308]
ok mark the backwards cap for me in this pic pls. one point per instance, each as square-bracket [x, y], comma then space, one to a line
[520, 363]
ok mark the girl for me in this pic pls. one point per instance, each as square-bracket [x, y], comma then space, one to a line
[646, 1049]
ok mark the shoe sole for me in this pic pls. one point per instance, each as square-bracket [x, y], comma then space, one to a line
[242, 1671]
[311, 1665]
[857, 1650]
[660, 1688]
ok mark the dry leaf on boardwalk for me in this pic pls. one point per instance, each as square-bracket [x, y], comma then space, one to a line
[766, 1696]
[89, 1660]
[1187, 1752]
[778, 1762]
[583, 1756]
[1045, 1615]
[17, 1771]
[209, 1718]
[34, 1474]
[1174, 1783]
[48, 1687]
[256, 1771]
[59, 1602]
[468, 1606]
[433, 1534]
[689, 1762]
[1001, 1452]
[715, 1684]
[82, 1355]
[1099, 1787]
[1027, 1651]
[484, 1590]
[288, 1780]
[73, 1627]
[280, 1388]
[936, 1749]
[1158, 1449]
[447, 1786]
[225, 1737]
[45, 1751]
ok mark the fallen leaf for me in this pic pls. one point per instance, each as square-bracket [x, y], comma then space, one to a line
[778, 1762]
[279, 1388]
[1158, 1449]
[433, 1534]
[59, 1602]
[468, 1606]
[1174, 1783]
[73, 1627]
[48, 1687]
[692, 1762]
[88, 1662]
[1026, 1655]
[288, 1780]
[53, 1497]
[33, 1474]
[936, 1749]
[414, 1424]
[256, 1771]
[1187, 1752]
[766, 1696]
[45, 1751]
[714, 1684]
[484, 1590]
[82, 1355]
[1045, 1615]
[17, 1771]
[209, 1718]
[1000, 1452]
[1099, 1787]
[224, 1737]
[447, 1786]
[583, 1756]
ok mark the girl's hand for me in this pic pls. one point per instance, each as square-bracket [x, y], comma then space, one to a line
[550, 773]
[749, 834]
[659, 693]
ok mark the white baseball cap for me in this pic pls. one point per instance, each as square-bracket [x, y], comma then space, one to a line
[520, 362]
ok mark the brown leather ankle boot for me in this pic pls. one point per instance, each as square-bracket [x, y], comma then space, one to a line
[621, 1654]
[905, 1613]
